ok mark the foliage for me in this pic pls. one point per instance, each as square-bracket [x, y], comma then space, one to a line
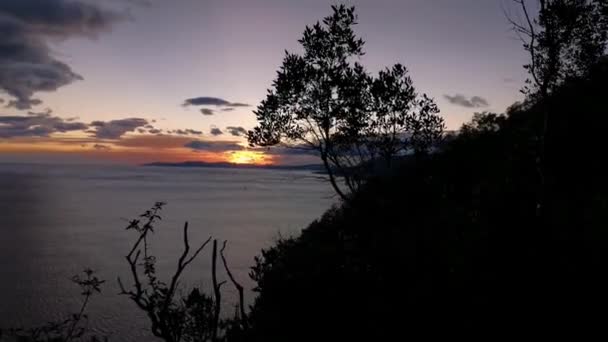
[73, 328]
[324, 100]
[564, 40]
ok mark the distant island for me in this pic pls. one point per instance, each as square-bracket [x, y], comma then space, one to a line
[317, 168]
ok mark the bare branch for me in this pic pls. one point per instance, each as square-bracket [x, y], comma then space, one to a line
[181, 264]
[197, 252]
[217, 293]
[238, 287]
[533, 37]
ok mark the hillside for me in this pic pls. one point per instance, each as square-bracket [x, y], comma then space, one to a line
[453, 242]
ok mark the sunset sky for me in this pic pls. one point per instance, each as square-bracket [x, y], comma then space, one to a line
[137, 81]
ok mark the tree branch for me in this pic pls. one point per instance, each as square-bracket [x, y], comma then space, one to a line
[217, 294]
[238, 287]
[181, 265]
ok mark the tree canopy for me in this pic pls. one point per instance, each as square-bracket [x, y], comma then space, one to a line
[565, 39]
[326, 101]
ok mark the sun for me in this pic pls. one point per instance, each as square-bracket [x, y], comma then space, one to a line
[248, 157]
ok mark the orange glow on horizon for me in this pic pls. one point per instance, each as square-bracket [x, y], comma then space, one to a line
[249, 157]
[130, 150]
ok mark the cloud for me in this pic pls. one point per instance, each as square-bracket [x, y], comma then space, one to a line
[27, 64]
[37, 125]
[229, 109]
[207, 111]
[115, 129]
[44, 124]
[238, 104]
[473, 102]
[214, 146]
[101, 147]
[216, 131]
[236, 131]
[185, 132]
[212, 101]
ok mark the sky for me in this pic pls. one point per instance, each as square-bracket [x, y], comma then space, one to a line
[124, 80]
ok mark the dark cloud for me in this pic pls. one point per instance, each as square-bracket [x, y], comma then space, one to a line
[194, 132]
[216, 131]
[236, 131]
[47, 112]
[212, 101]
[37, 125]
[185, 132]
[229, 109]
[207, 111]
[214, 146]
[298, 150]
[155, 131]
[473, 102]
[27, 65]
[101, 147]
[115, 129]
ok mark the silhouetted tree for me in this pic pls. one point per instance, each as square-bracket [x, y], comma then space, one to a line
[326, 101]
[484, 122]
[564, 39]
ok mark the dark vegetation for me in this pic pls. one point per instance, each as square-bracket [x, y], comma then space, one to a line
[452, 242]
[501, 230]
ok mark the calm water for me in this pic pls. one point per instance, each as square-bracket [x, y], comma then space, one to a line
[56, 220]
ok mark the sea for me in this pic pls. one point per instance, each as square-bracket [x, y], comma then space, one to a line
[57, 220]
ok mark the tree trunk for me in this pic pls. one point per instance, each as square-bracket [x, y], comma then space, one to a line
[332, 177]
